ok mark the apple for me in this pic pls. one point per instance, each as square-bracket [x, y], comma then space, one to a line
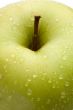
[36, 56]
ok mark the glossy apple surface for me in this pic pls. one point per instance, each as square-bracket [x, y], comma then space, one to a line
[42, 79]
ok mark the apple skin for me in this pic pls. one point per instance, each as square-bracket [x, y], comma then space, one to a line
[42, 79]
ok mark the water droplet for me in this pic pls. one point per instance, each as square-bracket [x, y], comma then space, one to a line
[63, 29]
[64, 52]
[38, 99]
[53, 86]
[17, 48]
[27, 70]
[29, 80]
[29, 92]
[61, 66]
[14, 23]
[21, 60]
[57, 19]
[12, 55]
[55, 73]
[45, 56]
[64, 58]
[26, 85]
[6, 59]
[32, 19]
[63, 95]
[18, 24]
[14, 62]
[34, 76]
[66, 84]
[48, 101]
[60, 77]
[11, 19]
[49, 81]
[44, 74]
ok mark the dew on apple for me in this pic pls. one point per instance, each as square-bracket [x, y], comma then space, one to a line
[6, 59]
[71, 31]
[45, 56]
[11, 19]
[34, 76]
[57, 19]
[29, 92]
[17, 48]
[32, 19]
[63, 95]
[49, 81]
[12, 55]
[29, 80]
[61, 66]
[64, 53]
[27, 70]
[38, 99]
[21, 60]
[42, 78]
[14, 61]
[64, 58]
[26, 84]
[53, 86]
[55, 73]
[66, 84]
[44, 74]
[60, 77]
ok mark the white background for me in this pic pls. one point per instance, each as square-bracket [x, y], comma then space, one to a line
[5, 2]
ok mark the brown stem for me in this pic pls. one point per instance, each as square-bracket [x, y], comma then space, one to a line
[35, 40]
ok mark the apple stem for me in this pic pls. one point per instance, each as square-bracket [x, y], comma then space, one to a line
[35, 41]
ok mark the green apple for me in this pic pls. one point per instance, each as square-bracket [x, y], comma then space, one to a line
[36, 56]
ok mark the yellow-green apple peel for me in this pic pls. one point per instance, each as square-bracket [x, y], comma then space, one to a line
[34, 78]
